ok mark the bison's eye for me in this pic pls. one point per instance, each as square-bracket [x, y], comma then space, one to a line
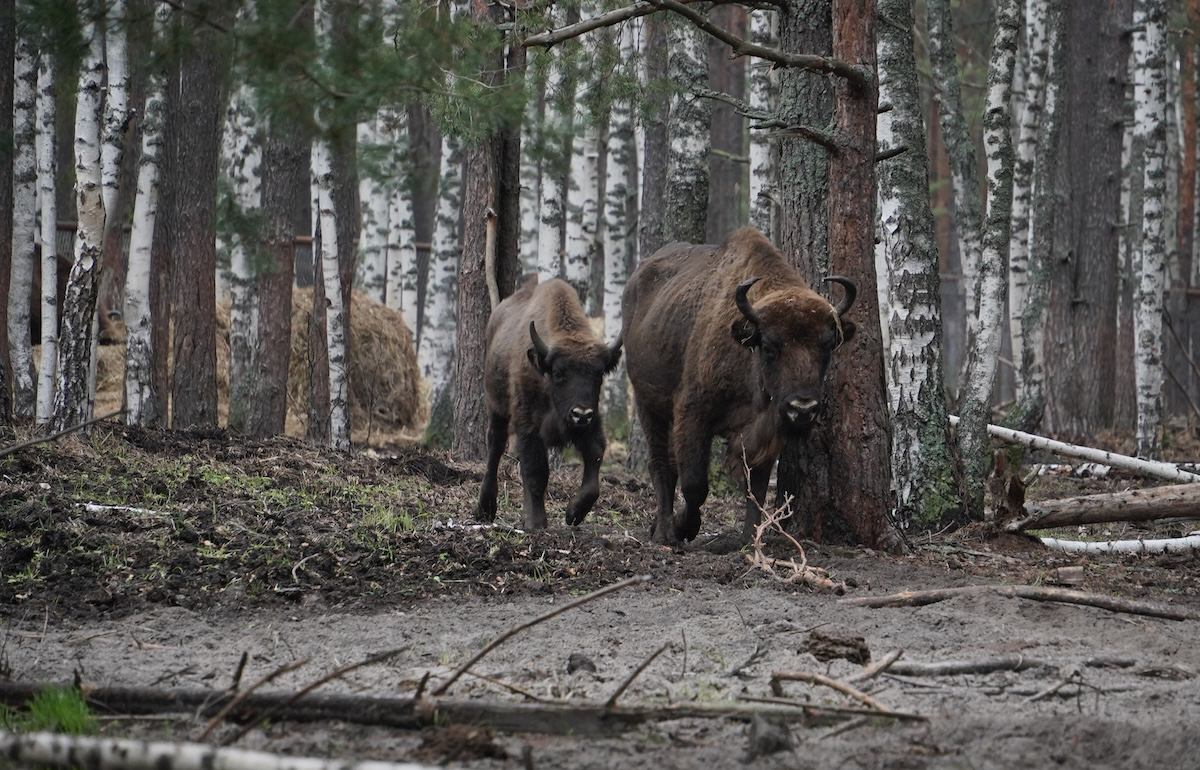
[769, 349]
[558, 376]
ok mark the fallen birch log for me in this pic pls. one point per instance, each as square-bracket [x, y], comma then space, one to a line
[1179, 501]
[1151, 468]
[1036, 593]
[56, 750]
[960, 667]
[581, 718]
[1147, 545]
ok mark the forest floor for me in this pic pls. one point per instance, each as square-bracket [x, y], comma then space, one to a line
[136, 558]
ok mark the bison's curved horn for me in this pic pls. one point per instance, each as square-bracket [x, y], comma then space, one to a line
[851, 293]
[542, 349]
[743, 304]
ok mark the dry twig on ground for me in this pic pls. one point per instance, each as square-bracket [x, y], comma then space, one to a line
[1036, 593]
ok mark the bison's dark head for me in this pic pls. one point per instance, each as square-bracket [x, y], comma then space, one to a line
[793, 332]
[574, 370]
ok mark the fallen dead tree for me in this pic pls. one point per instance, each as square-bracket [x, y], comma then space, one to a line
[551, 717]
[1184, 544]
[1035, 593]
[1150, 468]
[1173, 502]
[56, 750]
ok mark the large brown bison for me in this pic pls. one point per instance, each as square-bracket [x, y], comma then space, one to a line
[542, 373]
[724, 341]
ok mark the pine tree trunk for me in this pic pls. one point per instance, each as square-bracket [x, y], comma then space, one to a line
[983, 355]
[926, 478]
[1082, 368]
[436, 354]
[24, 225]
[73, 402]
[1150, 98]
[688, 129]
[47, 171]
[139, 382]
[195, 124]
[652, 226]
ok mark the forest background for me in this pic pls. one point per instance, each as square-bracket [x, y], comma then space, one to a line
[1013, 183]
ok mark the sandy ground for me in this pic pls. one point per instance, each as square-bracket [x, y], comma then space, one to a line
[1095, 689]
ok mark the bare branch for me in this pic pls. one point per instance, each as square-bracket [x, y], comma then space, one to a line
[53, 436]
[856, 76]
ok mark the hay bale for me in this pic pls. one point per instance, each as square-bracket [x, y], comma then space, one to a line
[388, 400]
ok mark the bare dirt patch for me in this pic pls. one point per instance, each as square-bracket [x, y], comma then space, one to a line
[154, 559]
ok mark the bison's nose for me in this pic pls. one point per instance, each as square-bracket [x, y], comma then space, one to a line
[800, 410]
[582, 415]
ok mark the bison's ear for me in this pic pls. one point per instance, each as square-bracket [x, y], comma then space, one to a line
[537, 359]
[614, 358]
[848, 329]
[746, 333]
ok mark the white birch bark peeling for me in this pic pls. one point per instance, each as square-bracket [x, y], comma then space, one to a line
[54, 750]
[1151, 468]
[1161, 545]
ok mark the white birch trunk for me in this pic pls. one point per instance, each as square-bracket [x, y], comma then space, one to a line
[689, 128]
[583, 210]
[47, 172]
[402, 276]
[335, 308]
[436, 354]
[964, 175]
[57, 750]
[1026, 150]
[1032, 356]
[983, 354]
[762, 87]
[1150, 106]
[556, 144]
[73, 401]
[371, 273]
[139, 352]
[906, 258]
[116, 107]
[617, 233]
[531, 176]
[242, 157]
[24, 225]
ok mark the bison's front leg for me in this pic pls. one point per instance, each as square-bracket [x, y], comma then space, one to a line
[535, 474]
[693, 483]
[497, 439]
[592, 451]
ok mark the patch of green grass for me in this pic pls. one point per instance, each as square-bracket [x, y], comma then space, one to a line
[52, 710]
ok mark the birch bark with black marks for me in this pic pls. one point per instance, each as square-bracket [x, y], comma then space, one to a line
[960, 156]
[73, 401]
[24, 222]
[436, 354]
[403, 278]
[47, 173]
[1150, 17]
[371, 273]
[763, 90]
[688, 130]
[335, 306]
[1029, 122]
[139, 380]
[1026, 414]
[923, 467]
[983, 353]
[116, 106]
[555, 131]
[620, 181]
[583, 206]
[242, 160]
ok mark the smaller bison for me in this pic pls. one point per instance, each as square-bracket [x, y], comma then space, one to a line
[542, 373]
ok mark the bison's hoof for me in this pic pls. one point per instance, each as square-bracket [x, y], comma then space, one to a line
[575, 518]
[687, 530]
[485, 515]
